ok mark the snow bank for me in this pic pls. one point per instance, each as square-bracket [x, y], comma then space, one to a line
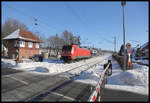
[49, 66]
[142, 61]
[135, 80]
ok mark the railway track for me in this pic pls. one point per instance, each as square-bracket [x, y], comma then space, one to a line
[85, 67]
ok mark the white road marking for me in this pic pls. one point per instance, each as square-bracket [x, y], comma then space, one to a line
[16, 79]
[62, 96]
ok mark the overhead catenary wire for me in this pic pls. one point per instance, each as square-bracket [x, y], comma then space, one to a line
[29, 16]
[85, 25]
[108, 41]
[75, 14]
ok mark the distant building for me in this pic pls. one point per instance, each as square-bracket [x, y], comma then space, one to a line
[144, 50]
[22, 43]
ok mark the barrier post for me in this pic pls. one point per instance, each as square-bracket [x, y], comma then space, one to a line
[96, 93]
[129, 63]
[99, 97]
[109, 71]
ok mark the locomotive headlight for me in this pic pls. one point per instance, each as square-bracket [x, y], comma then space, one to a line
[72, 51]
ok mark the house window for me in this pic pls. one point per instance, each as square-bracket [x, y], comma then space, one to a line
[22, 44]
[30, 44]
[37, 45]
[13, 56]
[16, 43]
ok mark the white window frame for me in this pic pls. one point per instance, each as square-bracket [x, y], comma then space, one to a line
[30, 44]
[37, 45]
[16, 43]
[22, 43]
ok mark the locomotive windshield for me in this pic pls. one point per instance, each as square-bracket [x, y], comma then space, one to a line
[67, 48]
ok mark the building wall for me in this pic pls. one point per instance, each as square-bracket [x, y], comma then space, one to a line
[23, 51]
[27, 52]
[147, 53]
[146, 47]
[11, 49]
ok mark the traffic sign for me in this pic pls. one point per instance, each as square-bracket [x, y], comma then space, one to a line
[128, 45]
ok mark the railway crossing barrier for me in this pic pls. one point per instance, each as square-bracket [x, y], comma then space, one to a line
[107, 72]
[129, 64]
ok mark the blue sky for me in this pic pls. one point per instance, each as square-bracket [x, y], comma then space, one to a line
[95, 22]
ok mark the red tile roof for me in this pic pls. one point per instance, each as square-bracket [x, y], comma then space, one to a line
[29, 35]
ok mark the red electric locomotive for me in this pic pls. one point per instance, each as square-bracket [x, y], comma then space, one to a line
[73, 52]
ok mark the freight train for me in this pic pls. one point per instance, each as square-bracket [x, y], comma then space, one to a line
[73, 52]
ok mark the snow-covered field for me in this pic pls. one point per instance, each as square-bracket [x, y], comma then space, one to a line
[50, 66]
[135, 80]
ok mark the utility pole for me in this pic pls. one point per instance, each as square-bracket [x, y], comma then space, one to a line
[123, 3]
[114, 43]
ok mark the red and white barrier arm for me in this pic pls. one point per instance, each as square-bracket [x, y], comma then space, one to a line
[97, 89]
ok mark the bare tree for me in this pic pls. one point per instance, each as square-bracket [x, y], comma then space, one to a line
[67, 37]
[10, 26]
[55, 43]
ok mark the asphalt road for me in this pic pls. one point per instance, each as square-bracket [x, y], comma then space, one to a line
[24, 86]
[7, 71]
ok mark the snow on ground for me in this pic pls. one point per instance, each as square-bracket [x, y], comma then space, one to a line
[48, 66]
[135, 80]
[141, 61]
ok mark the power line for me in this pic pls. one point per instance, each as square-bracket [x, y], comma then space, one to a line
[75, 14]
[108, 41]
[29, 16]
[114, 43]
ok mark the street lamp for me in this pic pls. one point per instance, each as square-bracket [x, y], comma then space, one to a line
[123, 3]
